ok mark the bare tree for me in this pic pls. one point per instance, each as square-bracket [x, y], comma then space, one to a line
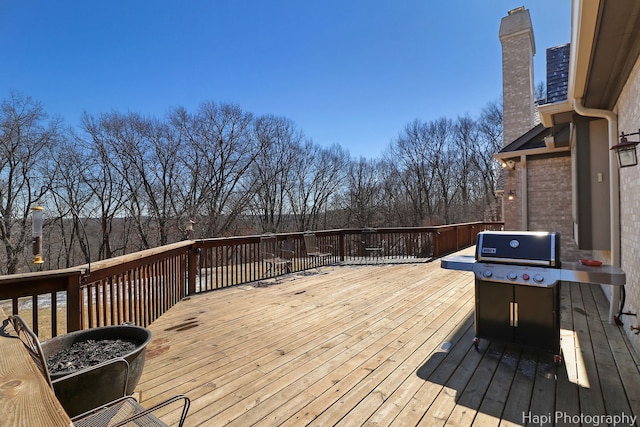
[364, 193]
[411, 155]
[128, 156]
[318, 175]
[106, 184]
[69, 197]
[221, 147]
[159, 169]
[465, 138]
[446, 163]
[26, 139]
[271, 174]
[540, 92]
[489, 142]
[397, 210]
[144, 152]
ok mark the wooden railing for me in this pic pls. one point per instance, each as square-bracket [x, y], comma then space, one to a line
[139, 287]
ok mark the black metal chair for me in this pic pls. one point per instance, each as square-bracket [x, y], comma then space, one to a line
[315, 251]
[127, 410]
[372, 245]
[95, 406]
[277, 259]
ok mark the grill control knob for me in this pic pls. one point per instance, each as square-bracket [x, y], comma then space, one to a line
[487, 273]
[538, 278]
[512, 276]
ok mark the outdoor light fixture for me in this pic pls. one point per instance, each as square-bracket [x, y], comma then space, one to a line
[511, 195]
[37, 220]
[626, 150]
[508, 164]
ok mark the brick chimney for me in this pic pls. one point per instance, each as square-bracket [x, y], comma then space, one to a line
[518, 48]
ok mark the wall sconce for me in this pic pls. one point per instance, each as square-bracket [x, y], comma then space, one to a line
[511, 195]
[37, 220]
[508, 164]
[626, 150]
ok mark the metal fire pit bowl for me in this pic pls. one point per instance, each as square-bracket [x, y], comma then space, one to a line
[140, 336]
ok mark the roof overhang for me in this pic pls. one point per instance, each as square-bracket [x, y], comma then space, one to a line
[605, 44]
[549, 112]
[584, 16]
[539, 140]
[503, 157]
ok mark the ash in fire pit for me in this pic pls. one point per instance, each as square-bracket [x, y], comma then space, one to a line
[83, 354]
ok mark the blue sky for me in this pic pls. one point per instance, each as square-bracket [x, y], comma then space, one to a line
[351, 72]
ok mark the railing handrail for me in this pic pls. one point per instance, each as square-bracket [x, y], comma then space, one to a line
[140, 286]
[136, 256]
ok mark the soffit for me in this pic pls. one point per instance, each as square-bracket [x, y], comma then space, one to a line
[615, 50]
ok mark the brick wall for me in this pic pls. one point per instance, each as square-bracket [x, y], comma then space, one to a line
[513, 208]
[628, 108]
[549, 200]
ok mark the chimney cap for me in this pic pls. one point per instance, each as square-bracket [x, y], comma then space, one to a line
[516, 23]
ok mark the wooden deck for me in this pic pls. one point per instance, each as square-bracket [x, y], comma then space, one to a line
[384, 345]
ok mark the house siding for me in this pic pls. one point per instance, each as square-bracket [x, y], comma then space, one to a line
[628, 108]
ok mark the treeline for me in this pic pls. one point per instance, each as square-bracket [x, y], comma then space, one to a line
[123, 182]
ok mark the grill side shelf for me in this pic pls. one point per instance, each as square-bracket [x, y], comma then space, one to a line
[604, 274]
[458, 262]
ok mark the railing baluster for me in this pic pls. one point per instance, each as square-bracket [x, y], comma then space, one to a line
[34, 308]
[54, 314]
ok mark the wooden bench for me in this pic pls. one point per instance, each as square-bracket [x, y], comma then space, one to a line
[25, 397]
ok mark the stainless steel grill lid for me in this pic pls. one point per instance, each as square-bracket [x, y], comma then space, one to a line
[522, 247]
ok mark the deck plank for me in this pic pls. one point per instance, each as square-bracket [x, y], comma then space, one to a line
[405, 375]
[449, 370]
[521, 391]
[492, 406]
[591, 402]
[567, 396]
[378, 345]
[469, 401]
[610, 382]
[626, 362]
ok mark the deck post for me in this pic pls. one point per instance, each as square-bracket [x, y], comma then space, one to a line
[74, 303]
[191, 265]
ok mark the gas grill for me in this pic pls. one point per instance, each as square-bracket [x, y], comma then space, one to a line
[517, 286]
